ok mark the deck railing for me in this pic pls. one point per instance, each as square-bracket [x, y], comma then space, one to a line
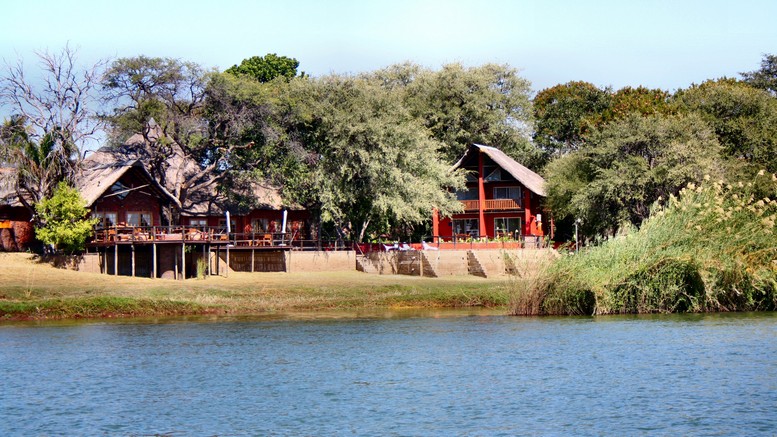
[491, 204]
[218, 235]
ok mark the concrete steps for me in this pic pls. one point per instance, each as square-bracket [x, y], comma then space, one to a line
[474, 267]
[364, 264]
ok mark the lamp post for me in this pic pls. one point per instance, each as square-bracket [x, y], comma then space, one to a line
[577, 238]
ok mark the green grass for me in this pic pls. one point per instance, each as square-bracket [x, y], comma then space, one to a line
[34, 290]
[712, 249]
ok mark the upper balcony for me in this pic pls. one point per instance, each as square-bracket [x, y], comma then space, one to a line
[492, 204]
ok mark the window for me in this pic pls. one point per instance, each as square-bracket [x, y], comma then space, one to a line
[507, 193]
[507, 227]
[198, 222]
[107, 219]
[119, 190]
[139, 218]
[223, 224]
[470, 194]
[466, 226]
[494, 176]
[260, 225]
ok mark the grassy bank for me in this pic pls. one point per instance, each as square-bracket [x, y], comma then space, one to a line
[35, 290]
[714, 248]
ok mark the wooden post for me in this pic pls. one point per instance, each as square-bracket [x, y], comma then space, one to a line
[226, 272]
[218, 260]
[153, 269]
[435, 225]
[252, 259]
[133, 259]
[527, 211]
[115, 259]
[481, 197]
[183, 259]
[175, 264]
[105, 259]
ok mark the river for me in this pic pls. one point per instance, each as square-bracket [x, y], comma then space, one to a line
[427, 373]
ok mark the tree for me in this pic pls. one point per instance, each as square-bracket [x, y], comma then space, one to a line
[63, 220]
[565, 113]
[460, 106]
[166, 100]
[640, 100]
[744, 118]
[766, 77]
[266, 68]
[627, 166]
[371, 162]
[52, 120]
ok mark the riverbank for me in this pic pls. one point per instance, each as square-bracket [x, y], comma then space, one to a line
[32, 290]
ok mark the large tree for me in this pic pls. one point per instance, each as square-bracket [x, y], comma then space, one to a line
[266, 68]
[628, 165]
[565, 113]
[184, 116]
[744, 118]
[52, 121]
[488, 104]
[370, 161]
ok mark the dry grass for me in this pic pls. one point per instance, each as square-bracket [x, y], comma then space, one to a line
[29, 285]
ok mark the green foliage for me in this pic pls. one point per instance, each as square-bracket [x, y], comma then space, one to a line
[266, 68]
[460, 106]
[766, 77]
[628, 165]
[565, 113]
[710, 249]
[373, 162]
[63, 217]
[744, 118]
[40, 163]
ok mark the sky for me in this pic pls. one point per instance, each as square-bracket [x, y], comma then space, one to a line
[658, 44]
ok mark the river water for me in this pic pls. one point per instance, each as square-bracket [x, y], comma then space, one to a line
[438, 373]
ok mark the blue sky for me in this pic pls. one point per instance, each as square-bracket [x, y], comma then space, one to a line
[659, 44]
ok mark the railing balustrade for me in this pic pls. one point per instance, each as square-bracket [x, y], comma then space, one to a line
[491, 204]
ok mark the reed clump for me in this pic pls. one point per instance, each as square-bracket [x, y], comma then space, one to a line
[711, 248]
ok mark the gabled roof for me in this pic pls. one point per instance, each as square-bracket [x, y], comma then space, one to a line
[534, 182]
[99, 172]
[206, 199]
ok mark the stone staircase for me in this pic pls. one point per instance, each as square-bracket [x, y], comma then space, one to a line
[426, 267]
[474, 266]
[363, 264]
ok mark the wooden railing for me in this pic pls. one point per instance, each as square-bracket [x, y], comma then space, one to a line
[491, 204]
[207, 234]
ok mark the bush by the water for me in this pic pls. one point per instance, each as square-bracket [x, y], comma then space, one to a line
[713, 248]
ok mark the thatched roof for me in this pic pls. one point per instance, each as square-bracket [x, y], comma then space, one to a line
[534, 182]
[206, 199]
[101, 170]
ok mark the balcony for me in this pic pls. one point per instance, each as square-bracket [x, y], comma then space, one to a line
[492, 204]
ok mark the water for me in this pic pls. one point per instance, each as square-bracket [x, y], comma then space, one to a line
[442, 374]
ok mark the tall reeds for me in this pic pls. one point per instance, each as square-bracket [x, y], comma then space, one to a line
[712, 248]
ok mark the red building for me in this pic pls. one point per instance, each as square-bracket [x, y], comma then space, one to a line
[123, 193]
[502, 199]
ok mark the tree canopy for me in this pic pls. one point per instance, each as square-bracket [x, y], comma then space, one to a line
[628, 165]
[266, 68]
